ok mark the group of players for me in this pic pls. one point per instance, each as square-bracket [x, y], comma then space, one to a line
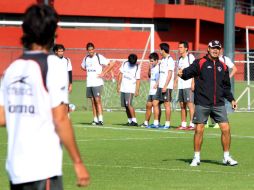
[34, 95]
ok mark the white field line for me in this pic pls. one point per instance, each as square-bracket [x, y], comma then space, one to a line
[191, 169]
[157, 130]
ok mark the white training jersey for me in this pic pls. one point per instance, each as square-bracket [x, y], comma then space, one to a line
[66, 63]
[130, 75]
[93, 66]
[31, 86]
[183, 63]
[227, 61]
[153, 79]
[166, 64]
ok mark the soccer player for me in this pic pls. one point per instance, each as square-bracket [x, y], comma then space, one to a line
[186, 88]
[32, 106]
[93, 64]
[128, 84]
[212, 85]
[154, 82]
[166, 81]
[66, 62]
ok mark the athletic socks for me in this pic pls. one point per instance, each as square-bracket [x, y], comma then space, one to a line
[197, 155]
[184, 124]
[156, 122]
[129, 120]
[192, 124]
[167, 123]
[100, 118]
[134, 119]
[226, 154]
[95, 119]
[146, 122]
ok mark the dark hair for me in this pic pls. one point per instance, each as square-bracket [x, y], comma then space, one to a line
[89, 44]
[154, 56]
[185, 44]
[39, 26]
[132, 59]
[165, 47]
[58, 46]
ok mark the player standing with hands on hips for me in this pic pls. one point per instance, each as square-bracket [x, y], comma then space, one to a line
[212, 85]
[33, 100]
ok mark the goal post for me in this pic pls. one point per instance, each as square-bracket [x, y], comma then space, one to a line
[110, 98]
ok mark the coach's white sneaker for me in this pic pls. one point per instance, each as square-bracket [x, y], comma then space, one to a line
[229, 161]
[195, 162]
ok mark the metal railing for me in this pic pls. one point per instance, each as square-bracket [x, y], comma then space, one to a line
[240, 6]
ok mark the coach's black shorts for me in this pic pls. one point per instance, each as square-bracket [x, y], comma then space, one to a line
[218, 113]
[93, 91]
[163, 96]
[53, 183]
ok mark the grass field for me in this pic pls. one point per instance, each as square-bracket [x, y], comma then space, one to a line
[131, 158]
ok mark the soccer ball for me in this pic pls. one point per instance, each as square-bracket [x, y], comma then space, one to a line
[72, 107]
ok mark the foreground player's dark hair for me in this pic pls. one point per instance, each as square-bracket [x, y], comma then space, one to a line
[165, 47]
[39, 26]
[58, 46]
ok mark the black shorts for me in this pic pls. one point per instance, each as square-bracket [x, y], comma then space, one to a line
[93, 91]
[163, 96]
[126, 99]
[151, 98]
[53, 183]
[185, 95]
[218, 113]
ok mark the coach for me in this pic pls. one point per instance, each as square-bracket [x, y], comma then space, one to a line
[212, 85]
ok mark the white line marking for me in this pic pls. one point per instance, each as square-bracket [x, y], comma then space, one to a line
[169, 169]
[156, 130]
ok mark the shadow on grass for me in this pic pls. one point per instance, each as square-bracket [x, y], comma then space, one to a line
[202, 161]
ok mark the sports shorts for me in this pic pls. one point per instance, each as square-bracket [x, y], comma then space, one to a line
[151, 98]
[185, 95]
[163, 96]
[93, 91]
[126, 99]
[218, 113]
[53, 183]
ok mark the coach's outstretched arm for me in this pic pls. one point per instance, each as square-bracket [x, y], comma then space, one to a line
[66, 134]
[190, 72]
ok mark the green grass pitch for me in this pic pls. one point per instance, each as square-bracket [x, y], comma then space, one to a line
[124, 158]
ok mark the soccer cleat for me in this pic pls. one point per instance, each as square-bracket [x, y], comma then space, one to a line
[195, 162]
[143, 125]
[154, 126]
[216, 126]
[229, 161]
[190, 128]
[181, 128]
[165, 127]
[94, 123]
[133, 124]
[100, 123]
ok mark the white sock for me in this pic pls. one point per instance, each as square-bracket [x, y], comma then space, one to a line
[192, 124]
[197, 155]
[167, 123]
[129, 120]
[226, 154]
[156, 122]
[134, 119]
[100, 118]
[184, 124]
[146, 122]
[95, 119]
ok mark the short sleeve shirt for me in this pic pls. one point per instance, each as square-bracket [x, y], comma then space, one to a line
[166, 64]
[93, 66]
[227, 61]
[185, 62]
[153, 79]
[130, 75]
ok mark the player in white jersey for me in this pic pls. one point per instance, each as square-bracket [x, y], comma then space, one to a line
[128, 84]
[153, 73]
[185, 87]
[93, 64]
[59, 50]
[166, 81]
[33, 95]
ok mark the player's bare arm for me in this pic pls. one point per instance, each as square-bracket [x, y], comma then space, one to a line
[167, 81]
[2, 117]
[66, 134]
